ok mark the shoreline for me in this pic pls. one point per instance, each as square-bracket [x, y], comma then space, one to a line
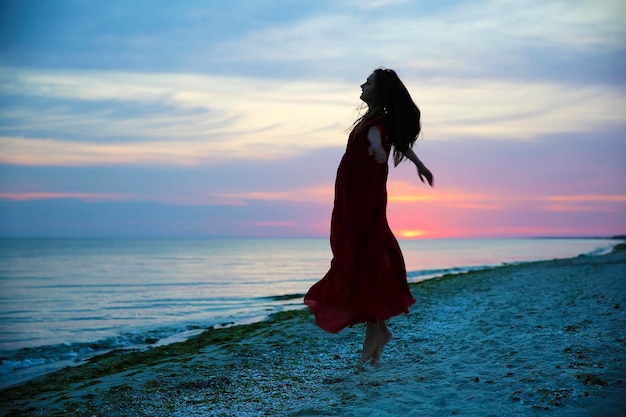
[28, 349]
[525, 338]
[30, 362]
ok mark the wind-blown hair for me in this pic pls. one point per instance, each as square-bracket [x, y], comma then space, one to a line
[401, 113]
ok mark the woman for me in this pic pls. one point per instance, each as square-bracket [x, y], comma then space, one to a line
[367, 278]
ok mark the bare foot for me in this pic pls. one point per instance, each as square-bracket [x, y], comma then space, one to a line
[373, 339]
[379, 349]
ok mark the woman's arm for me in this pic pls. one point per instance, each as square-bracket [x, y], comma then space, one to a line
[422, 171]
[380, 155]
[376, 148]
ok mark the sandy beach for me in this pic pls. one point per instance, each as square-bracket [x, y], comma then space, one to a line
[545, 338]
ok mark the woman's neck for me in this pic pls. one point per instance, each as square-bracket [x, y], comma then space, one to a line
[374, 109]
[373, 112]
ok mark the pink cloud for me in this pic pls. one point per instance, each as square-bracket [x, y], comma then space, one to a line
[588, 198]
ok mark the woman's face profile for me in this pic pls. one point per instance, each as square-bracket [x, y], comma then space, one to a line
[368, 90]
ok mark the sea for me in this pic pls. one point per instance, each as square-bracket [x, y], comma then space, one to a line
[65, 300]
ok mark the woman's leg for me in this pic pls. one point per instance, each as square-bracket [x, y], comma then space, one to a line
[385, 336]
[372, 341]
[376, 337]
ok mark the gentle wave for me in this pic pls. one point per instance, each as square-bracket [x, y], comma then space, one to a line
[80, 351]
[419, 276]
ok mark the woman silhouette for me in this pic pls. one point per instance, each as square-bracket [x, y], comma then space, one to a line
[367, 281]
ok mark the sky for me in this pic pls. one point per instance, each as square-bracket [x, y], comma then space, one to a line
[156, 118]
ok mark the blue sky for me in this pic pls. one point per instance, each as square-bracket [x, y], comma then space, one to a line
[210, 118]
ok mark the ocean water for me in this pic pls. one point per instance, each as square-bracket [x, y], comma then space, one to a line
[66, 299]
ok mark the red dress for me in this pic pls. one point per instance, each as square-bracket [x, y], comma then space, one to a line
[367, 277]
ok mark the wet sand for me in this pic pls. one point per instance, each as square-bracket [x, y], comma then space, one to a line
[545, 339]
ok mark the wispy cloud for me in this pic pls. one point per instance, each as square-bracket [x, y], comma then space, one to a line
[45, 195]
[452, 39]
[587, 198]
[406, 193]
[51, 152]
[226, 118]
[322, 194]
[587, 203]
[206, 119]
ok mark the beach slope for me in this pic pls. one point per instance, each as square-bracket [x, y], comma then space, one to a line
[544, 338]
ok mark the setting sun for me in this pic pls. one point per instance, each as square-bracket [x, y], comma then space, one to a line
[410, 234]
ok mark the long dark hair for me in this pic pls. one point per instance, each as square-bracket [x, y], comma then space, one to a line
[399, 110]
